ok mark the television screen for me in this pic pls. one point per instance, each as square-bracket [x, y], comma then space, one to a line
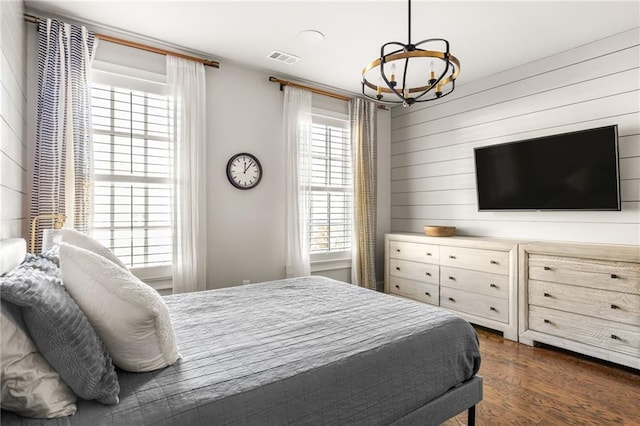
[571, 171]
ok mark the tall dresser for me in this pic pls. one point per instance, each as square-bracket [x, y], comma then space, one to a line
[582, 297]
[473, 276]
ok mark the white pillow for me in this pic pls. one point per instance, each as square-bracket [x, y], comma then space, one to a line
[12, 252]
[129, 316]
[30, 386]
[75, 238]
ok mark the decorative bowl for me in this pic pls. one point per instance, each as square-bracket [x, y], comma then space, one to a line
[439, 231]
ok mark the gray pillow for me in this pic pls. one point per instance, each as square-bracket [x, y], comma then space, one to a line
[60, 330]
[29, 385]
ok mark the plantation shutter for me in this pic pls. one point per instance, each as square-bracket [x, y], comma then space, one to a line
[331, 186]
[133, 157]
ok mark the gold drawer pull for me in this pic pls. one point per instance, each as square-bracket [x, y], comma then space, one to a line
[546, 268]
[547, 295]
[428, 274]
[546, 321]
[427, 293]
[614, 337]
[492, 285]
[613, 306]
[452, 278]
[451, 299]
[451, 256]
[614, 276]
[494, 262]
[491, 308]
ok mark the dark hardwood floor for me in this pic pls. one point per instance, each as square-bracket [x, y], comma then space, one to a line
[524, 385]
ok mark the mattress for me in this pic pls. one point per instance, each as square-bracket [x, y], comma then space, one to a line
[298, 351]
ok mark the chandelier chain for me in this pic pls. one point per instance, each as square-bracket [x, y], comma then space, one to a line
[409, 31]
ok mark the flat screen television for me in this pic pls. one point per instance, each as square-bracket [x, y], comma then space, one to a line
[570, 171]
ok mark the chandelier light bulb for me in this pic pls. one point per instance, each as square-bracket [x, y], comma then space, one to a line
[432, 74]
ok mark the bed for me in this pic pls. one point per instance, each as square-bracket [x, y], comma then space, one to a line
[308, 350]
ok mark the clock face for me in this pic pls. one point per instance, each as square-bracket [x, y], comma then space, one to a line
[244, 171]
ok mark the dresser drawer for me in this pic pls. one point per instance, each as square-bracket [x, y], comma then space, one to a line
[428, 293]
[605, 334]
[414, 270]
[475, 304]
[414, 251]
[478, 282]
[606, 275]
[609, 305]
[495, 262]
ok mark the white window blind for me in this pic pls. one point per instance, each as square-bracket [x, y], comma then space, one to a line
[133, 157]
[331, 187]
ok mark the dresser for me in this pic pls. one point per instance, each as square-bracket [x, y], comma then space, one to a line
[582, 297]
[474, 277]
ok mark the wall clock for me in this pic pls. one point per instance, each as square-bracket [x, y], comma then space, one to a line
[244, 171]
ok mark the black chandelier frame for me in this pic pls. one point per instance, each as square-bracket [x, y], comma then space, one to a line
[405, 52]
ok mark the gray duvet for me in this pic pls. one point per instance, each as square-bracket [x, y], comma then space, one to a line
[298, 351]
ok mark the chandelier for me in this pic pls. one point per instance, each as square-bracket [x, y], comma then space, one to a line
[431, 76]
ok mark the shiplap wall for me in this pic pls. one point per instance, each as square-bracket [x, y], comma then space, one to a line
[13, 207]
[432, 165]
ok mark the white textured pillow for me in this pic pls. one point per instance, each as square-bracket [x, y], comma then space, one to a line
[129, 316]
[75, 238]
[30, 386]
[12, 252]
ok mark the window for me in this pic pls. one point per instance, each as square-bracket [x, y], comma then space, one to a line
[133, 157]
[331, 189]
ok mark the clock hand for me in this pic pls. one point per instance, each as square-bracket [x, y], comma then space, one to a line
[246, 167]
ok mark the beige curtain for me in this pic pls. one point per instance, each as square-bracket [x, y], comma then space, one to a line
[363, 116]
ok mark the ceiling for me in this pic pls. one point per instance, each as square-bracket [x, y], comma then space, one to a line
[487, 37]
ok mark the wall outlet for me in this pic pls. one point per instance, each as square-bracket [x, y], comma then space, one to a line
[245, 282]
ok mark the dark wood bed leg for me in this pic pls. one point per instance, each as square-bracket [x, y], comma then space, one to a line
[471, 416]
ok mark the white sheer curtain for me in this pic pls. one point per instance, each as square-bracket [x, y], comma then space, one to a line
[297, 130]
[187, 88]
[63, 155]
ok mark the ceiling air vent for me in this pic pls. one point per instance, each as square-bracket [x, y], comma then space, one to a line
[285, 58]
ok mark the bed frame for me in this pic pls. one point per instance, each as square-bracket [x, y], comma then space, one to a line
[456, 400]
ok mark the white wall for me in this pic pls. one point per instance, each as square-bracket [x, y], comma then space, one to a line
[383, 213]
[245, 227]
[13, 177]
[432, 169]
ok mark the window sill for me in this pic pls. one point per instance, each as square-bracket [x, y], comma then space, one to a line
[158, 277]
[152, 273]
[330, 265]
